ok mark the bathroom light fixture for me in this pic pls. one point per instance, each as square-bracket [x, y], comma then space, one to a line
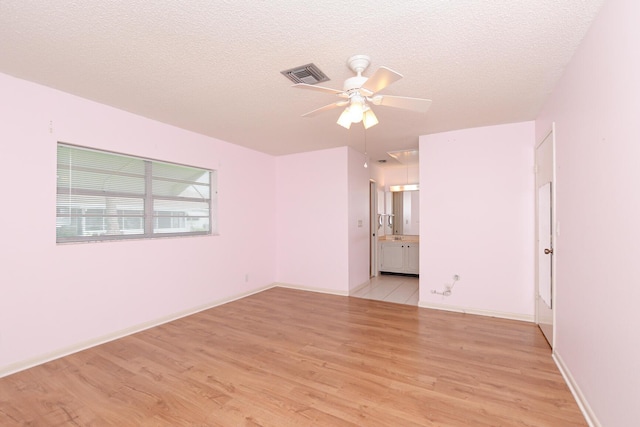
[405, 187]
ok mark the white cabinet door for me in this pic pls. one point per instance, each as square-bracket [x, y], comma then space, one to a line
[412, 258]
[392, 257]
[400, 257]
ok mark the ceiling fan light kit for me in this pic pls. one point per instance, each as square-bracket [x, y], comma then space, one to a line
[358, 91]
[345, 119]
[356, 108]
[369, 118]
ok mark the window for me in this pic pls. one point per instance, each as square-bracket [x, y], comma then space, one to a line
[107, 196]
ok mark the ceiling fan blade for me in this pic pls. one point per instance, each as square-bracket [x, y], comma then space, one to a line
[415, 104]
[325, 108]
[319, 88]
[382, 78]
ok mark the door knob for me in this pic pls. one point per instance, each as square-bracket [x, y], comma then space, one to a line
[548, 251]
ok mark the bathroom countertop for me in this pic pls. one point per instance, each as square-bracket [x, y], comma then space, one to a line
[392, 238]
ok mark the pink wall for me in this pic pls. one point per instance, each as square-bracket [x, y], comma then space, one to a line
[595, 108]
[312, 212]
[59, 296]
[358, 219]
[477, 219]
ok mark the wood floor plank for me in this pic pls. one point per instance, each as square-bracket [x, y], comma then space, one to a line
[287, 357]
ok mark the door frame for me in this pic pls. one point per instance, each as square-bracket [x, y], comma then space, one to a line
[549, 331]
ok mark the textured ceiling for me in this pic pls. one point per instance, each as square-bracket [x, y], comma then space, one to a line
[213, 67]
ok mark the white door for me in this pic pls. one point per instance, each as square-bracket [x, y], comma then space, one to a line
[545, 246]
[545, 242]
[374, 226]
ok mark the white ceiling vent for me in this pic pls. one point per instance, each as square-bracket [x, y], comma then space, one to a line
[309, 74]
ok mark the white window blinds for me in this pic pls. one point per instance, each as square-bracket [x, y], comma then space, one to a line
[106, 196]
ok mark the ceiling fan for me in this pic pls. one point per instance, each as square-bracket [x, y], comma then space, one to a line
[359, 91]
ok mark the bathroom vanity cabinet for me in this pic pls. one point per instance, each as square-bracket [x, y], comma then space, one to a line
[398, 256]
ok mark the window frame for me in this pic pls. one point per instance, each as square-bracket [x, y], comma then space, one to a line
[148, 217]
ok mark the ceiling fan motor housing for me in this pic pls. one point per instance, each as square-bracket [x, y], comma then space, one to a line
[352, 83]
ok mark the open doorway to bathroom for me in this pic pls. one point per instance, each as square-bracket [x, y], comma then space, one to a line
[398, 288]
[401, 289]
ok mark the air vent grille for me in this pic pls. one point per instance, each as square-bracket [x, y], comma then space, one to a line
[309, 74]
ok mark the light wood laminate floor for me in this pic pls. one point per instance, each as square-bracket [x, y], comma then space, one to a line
[391, 288]
[287, 357]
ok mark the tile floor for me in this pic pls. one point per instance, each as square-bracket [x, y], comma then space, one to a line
[391, 288]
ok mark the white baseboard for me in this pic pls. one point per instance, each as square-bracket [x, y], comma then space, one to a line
[480, 312]
[56, 354]
[312, 289]
[582, 402]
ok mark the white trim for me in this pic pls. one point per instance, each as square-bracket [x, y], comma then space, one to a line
[65, 351]
[311, 289]
[480, 312]
[582, 402]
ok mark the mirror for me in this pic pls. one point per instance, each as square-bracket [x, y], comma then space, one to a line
[405, 206]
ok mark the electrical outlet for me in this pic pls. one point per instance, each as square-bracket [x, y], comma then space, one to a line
[456, 277]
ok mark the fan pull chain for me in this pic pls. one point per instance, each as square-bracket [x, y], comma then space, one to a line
[365, 149]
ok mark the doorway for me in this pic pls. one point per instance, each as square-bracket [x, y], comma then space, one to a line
[545, 231]
[397, 288]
